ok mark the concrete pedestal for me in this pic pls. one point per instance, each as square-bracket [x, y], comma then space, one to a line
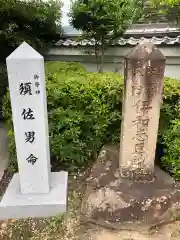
[16, 205]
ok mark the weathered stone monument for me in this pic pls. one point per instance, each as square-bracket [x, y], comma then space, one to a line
[34, 191]
[124, 189]
[144, 73]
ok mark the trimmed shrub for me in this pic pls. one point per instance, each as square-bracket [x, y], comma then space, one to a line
[85, 112]
[171, 141]
[52, 67]
[171, 158]
[171, 98]
[3, 85]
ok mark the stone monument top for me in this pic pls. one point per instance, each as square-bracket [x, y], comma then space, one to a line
[145, 50]
[25, 51]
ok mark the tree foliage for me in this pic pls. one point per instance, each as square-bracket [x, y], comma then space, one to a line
[171, 9]
[104, 20]
[33, 21]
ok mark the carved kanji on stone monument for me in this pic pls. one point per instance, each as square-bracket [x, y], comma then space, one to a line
[144, 72]
[34, 191]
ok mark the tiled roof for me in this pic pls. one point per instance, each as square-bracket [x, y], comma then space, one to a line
[121, 42]
[143, 30]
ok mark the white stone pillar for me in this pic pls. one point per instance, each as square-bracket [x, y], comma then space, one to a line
[35, 191]
[29, 110]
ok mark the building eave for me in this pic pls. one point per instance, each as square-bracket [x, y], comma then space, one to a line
[120, 42]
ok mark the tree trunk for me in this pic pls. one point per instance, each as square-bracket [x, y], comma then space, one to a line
[97, 55]
[102, 57]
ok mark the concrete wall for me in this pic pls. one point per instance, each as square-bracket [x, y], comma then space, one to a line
[78, 54]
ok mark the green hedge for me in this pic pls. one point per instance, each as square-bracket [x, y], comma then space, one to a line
[171, 141]
[85, 112]
[64, 68]
[3, 84]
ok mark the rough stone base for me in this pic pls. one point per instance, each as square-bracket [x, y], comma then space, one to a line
[15, 205]
[120, 203]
